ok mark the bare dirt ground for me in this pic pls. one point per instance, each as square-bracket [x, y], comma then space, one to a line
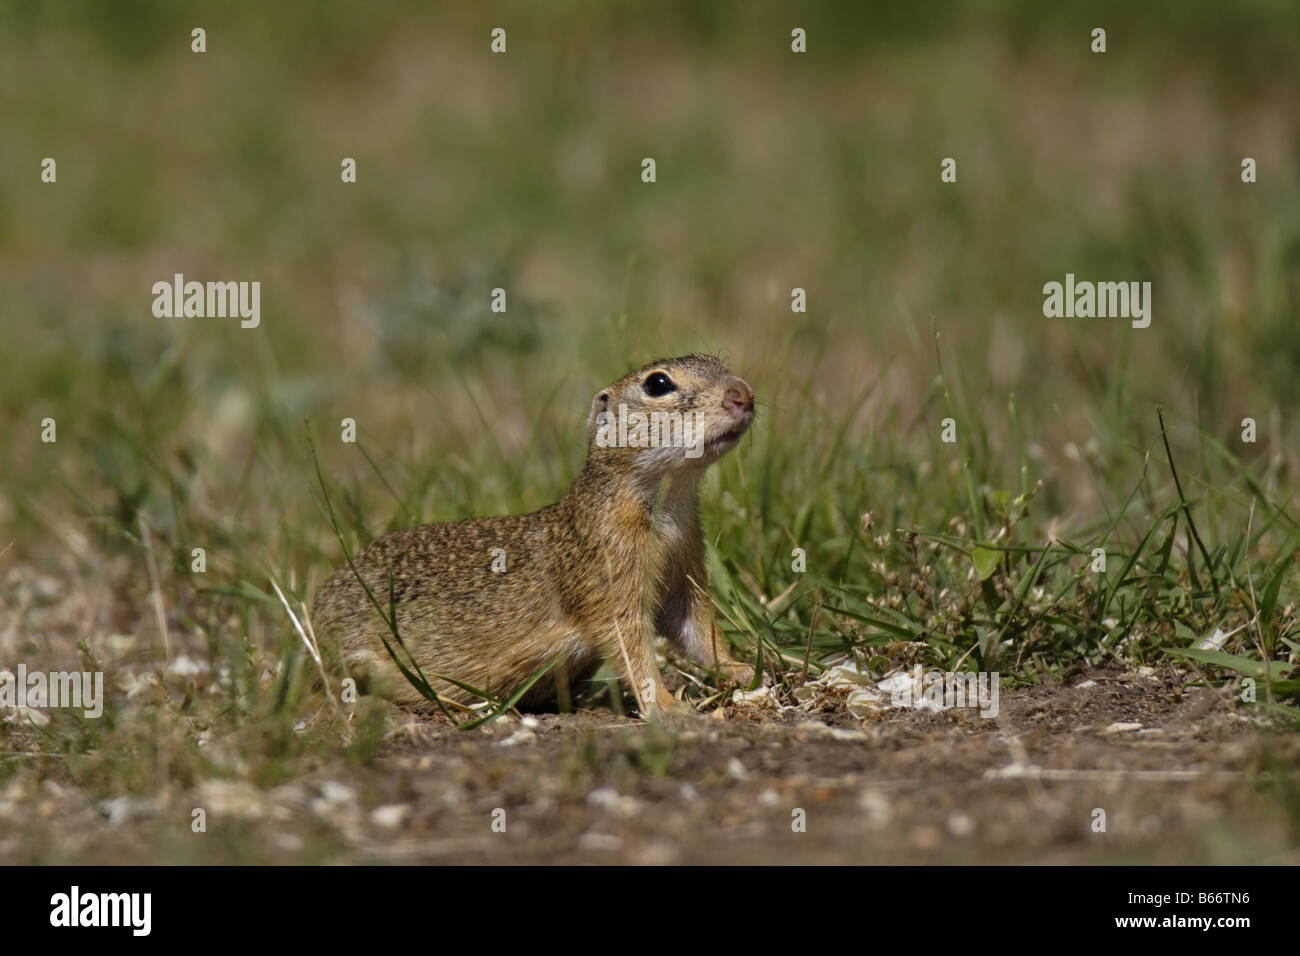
[912, 787]
[1197, 783]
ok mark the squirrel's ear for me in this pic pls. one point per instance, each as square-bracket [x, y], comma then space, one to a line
[598, 404]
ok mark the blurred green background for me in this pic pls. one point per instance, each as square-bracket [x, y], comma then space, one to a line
[522, 170]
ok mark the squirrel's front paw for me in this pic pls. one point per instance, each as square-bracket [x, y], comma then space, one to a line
[741, 673]
[664, 706]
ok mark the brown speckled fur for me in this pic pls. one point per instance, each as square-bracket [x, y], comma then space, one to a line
[580, 576]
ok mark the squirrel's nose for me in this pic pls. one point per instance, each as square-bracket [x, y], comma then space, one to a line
[739, 397]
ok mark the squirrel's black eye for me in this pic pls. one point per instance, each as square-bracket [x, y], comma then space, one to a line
[659, 384]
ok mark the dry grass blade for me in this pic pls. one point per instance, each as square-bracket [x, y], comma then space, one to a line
[309, 641]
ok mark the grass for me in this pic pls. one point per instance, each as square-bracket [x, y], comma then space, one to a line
[522, 172]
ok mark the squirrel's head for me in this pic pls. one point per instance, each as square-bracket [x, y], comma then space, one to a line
[671, 415]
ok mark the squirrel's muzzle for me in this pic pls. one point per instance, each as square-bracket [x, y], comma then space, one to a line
[738, 398]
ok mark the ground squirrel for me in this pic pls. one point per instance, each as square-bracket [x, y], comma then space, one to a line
[490, 601]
